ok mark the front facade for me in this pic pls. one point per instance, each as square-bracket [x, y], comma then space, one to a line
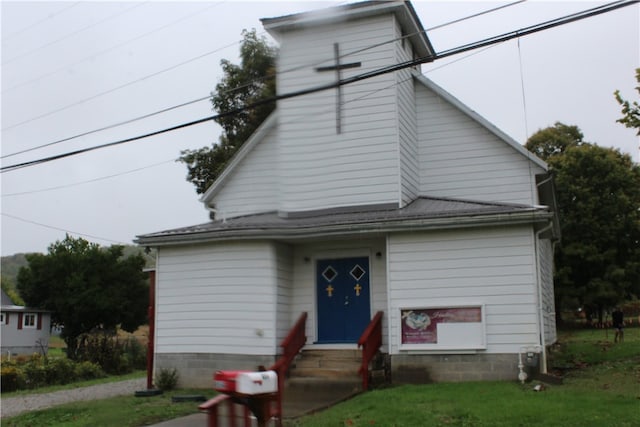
[24, 330]
[386, 194]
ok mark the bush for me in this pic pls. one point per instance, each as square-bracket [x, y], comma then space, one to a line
[59, 370]
[35, 372]
[88, 371]
[166, 379]
[136, 353]
[11, 376]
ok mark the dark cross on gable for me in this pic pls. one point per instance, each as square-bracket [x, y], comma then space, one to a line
[338, 67]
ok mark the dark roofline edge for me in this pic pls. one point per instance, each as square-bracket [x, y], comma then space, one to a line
[530, 216]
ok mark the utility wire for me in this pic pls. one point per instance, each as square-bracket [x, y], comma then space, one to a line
[384, 70]
[254, 81]
[35, 24]
[115, 15]
[102, 178]
[109, 49]
[61, 229]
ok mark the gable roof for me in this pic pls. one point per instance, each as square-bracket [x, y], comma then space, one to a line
[257, 136]
[423, 213]
[447, 96]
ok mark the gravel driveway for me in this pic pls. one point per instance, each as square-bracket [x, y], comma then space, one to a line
[16, 405]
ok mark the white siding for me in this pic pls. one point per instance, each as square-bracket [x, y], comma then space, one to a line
[304, 297]
[407, 124]
[318, 167]
[459, 158]
[284, 281]
[253, 186]
[545, 250]
[494, 267]
[217, 298]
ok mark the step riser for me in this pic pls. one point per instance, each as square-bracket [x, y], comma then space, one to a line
[329, 364]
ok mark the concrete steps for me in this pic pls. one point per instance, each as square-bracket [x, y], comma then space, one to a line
[327, 364]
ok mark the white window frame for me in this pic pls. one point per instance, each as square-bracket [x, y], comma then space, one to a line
[28, 325]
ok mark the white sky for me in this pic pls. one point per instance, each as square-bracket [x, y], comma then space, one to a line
[69, 68]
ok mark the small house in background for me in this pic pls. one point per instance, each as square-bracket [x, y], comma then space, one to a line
[25, 330]
[383, 198]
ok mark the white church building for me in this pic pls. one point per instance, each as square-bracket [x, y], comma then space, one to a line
[384, 195]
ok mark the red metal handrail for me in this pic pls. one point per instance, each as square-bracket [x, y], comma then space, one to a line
[291, 346]
[370, 341]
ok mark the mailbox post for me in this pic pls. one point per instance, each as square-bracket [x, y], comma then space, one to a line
[255, 390]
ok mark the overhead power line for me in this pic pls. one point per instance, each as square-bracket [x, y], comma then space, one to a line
[315, 63]
[363, 76]
[37, 23]
[44, 46]
[17, 218]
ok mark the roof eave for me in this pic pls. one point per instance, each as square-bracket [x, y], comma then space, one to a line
[529, 216]
[402, 9]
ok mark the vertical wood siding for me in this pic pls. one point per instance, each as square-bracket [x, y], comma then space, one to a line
[217, 298]
[494, 267]
[253, 187]
[320, 168]
[303, 292]
[461, 159]
[545, 249]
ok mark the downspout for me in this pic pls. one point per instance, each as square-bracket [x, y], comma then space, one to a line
[543, 352]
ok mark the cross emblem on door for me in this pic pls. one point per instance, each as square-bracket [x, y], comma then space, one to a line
[329, 290]
[338, 67]
[357, 288]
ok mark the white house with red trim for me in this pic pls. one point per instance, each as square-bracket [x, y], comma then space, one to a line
[24, 330]
[383, 195]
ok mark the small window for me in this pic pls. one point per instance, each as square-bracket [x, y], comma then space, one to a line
[3, 319]
[29, 320]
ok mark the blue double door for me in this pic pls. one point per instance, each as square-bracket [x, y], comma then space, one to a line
[342, 291]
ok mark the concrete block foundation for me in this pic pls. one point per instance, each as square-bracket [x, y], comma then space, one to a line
[423, 368]
[196, 369]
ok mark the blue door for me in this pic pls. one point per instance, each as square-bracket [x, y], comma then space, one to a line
[343, 299]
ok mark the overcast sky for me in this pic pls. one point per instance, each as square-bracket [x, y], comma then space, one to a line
[74, 67]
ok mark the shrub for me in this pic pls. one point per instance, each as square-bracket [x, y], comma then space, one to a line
[59, 370]
[88, 371]
[166, 379]
[35, 373]
[136, 353]
[114, 355]
[11, 376]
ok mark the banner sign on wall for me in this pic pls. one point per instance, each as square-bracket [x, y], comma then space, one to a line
[420, 326]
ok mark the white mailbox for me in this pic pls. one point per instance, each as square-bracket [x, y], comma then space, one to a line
[257, 382]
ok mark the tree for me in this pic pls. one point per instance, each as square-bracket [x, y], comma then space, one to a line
[554, 140]
[598, 195]
[241, 85]
[87, 288]
[630, 111]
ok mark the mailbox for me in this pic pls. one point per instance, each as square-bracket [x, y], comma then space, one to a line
[246, 382]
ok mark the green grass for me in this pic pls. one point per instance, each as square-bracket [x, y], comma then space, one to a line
[601, 389]
[125, 411]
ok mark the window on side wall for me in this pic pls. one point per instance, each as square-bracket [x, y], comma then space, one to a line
[3, 318]
[29, 321]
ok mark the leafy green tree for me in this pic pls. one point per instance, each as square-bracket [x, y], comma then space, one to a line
[242, 85]
[87, 288]
[9, 288]
[630, 110]
[554, 140]
[598, 260]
